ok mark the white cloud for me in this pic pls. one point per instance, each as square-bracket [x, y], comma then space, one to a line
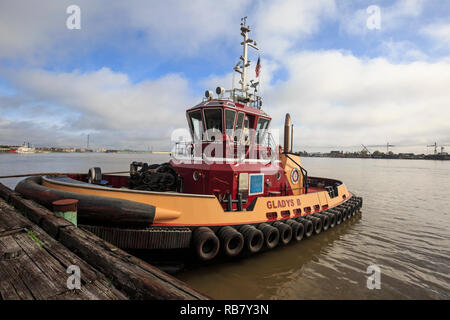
[339, 98]
[104, 101]
[333, 97]
[108, 97]
[439, 33]
[280, 24]
[268, 69]
[38, 31]
[186, 25]
[395, 16]
[398, 51]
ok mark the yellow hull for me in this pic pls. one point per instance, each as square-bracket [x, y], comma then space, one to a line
[177, 209]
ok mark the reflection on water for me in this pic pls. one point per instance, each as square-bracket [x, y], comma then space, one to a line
[404, 229]
[272, 274]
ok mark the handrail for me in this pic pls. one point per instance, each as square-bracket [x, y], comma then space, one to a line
[302, 170]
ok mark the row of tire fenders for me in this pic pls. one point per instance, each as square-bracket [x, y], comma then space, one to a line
[253, 238]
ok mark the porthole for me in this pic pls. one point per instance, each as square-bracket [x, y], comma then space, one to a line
[278, 176]
[195, 175]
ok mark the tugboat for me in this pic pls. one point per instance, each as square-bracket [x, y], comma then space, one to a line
[26, 148]
[230, 190]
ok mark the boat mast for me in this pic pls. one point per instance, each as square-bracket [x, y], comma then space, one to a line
[241, 67]
[244, 63]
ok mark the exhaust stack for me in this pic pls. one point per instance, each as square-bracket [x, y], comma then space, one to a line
[287, 138]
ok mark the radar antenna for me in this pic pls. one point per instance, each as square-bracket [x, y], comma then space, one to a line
[244, 63]
[245, 97]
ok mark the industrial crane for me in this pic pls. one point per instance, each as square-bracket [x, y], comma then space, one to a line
[368, 152]
[387, 145]
[435, 145]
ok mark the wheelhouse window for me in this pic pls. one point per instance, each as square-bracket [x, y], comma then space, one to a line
[196, 120]
[261, 129]
[213, 120]
[230, 116]
[239, 123]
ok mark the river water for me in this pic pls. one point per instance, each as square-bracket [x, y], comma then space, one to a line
[404, 230]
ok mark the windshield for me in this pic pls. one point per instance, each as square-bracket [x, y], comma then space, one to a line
[213, 120]
[239, 123]
[197, 125]
[261, 129]
[230, 115]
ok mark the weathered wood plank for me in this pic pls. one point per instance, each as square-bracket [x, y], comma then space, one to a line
[139, 282]
[28, 208]
[7, 223]
[66, 258]
[37, 275]
[47, 267]
[5, 192]
[39, 215]
[8, 244]
[91, 291]
[40, 272]
[106, 290]
[11, 286]
[23, 269]
[176, 283]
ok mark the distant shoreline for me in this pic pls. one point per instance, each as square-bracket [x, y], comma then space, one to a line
[400, 157]
[333, 154]
[73, 150]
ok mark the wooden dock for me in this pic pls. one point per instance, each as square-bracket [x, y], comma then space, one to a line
[38, 251]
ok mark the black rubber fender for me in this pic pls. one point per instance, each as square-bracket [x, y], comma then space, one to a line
[92, 210]
[350, 207]
[357, 200]
[354, 211]
[349, 213]
[359, 203]
[297, 229]
[360, 199]
[271, 235]
[205, 243]
[325, 221]
[332, 219]
[285, 232]
[253, 238]
[337, 214]
[317, 223]
[355, 204]
[355, 208]
[231, 241]
[307, 225]
[343, 212]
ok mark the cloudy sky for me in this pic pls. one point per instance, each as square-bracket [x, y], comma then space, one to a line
[127, 76]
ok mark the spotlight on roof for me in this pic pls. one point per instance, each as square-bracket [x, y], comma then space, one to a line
[220, 91]
[209, 94]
